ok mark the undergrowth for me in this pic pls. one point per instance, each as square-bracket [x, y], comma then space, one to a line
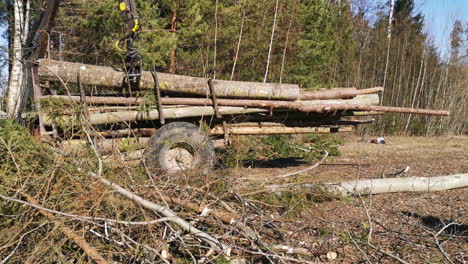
[304, 147]
[59, 180]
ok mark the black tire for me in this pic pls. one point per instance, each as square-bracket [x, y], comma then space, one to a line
[179, 146]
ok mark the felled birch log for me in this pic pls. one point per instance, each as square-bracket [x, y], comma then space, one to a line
[392, 185]
[107, 76]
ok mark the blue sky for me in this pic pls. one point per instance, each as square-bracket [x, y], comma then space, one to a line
[440, 16]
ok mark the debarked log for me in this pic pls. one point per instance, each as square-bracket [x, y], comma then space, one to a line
[170, 113]
[107, 76]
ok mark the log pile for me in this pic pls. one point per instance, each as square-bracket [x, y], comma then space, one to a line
[200, 97]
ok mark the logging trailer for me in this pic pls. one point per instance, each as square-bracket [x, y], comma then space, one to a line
[170, 109]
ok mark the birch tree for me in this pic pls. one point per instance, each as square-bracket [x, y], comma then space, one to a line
[17, 83]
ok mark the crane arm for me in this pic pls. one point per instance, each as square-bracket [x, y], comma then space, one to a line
[133, 60]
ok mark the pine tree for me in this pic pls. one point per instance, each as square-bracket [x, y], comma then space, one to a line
[456, 40]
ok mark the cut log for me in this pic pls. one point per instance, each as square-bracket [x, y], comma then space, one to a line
[365, 113]
[107, 76]
[128, 132]
[106, 145]
[364, 99]
[338, 93]
[233, 130]
[170, 113]
[388, 109]
[369, 99]
[386, 185]
[392, 185]
[297, 105]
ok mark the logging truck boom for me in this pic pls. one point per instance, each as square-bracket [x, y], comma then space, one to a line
[132, 29]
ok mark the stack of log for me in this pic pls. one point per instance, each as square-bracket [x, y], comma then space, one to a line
[195, 97]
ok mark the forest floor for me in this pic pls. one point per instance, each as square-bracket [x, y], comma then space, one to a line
[323, 227]
[404, 225]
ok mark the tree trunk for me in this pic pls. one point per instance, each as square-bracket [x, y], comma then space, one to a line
[271, 42]
[173, 31]
[238, 46]
[107, 76]
[18, 78]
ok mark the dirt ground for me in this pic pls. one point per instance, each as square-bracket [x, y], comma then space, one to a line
[405, 226]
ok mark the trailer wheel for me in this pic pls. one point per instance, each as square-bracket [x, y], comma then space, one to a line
[177, 147]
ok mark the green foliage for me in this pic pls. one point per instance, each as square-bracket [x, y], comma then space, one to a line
[19, 152]
[317, 44]
[306, 147]
[63, 112]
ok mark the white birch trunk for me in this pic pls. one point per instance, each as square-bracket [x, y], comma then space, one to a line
[271, 42]
[390, 19]
[392, 185]
[16, 83]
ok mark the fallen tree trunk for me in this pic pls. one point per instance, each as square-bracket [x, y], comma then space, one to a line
[379, 186]
[107, 76]
[392, 185]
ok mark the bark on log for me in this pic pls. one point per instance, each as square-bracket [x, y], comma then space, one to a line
[107, 145]
[370, 99]
[364, 113]
[297, 105]
[128, 132]
[388, 109]
[338, 93]
[170, 113]
[219, 130]
[392, 185]
[107, 76]
[364, 99]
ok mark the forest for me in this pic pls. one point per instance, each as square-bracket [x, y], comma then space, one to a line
[92, 171]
